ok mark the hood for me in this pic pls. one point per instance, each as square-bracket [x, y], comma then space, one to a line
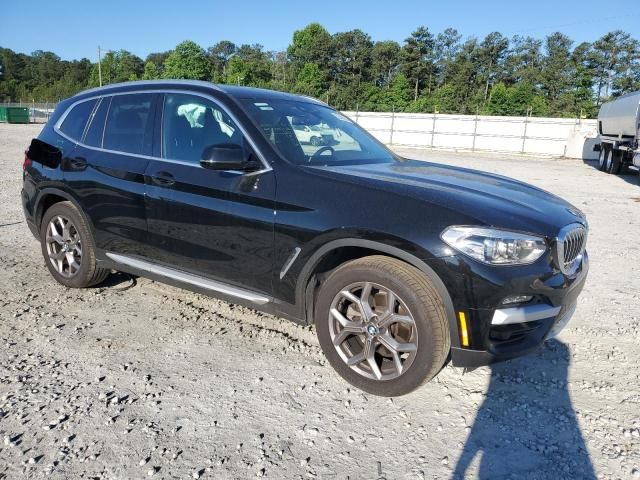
[492, 200]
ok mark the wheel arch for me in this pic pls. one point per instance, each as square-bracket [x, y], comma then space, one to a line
[308, 277]
[49, 197]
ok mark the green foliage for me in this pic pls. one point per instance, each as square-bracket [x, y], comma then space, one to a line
[417, 62]
[517, 100]
[188, 60]
[119, 66]
[312, 44]
[428, 72]
[150, 71]
[249, 66]
[310, 80]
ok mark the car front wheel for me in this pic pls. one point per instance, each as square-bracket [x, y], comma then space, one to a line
[382, 325]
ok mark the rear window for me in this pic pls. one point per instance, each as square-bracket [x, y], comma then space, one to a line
[76, 120]
[93, 137]
[128, 121]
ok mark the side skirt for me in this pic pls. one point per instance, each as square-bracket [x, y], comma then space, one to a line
[201, 283]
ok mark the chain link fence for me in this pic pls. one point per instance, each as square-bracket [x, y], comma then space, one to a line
[38, 112]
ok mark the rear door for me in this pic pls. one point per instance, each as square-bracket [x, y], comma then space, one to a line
[106, 172]
[218, 224]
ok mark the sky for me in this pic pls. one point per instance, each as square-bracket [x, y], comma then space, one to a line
[73, 29]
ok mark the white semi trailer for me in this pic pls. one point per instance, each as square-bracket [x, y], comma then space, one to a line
[619, 133]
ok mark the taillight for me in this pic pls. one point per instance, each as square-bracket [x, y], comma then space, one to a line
[27, 161]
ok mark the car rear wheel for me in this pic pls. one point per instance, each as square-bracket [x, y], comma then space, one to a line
[382, 325]
[68, 247]
[316, 141]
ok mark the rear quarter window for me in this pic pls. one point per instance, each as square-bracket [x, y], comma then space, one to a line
[75, 121]
[93, 137]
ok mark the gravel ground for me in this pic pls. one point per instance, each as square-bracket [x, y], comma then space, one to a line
[137, 379]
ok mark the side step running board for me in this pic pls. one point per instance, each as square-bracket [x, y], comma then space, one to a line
[188, 278]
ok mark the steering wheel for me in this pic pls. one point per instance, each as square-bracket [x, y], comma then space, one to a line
[320, 151]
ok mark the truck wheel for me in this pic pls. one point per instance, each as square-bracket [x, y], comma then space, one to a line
[602, 157]
[68, 248]
[615, 162]
[382, 325]
[624, 169]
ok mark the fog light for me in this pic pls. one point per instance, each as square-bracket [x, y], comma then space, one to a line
[464, 333]
[516, 299]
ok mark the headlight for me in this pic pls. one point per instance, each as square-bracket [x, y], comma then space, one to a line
[495, 247]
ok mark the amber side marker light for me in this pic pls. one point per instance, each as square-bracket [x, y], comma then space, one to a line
[464, 332]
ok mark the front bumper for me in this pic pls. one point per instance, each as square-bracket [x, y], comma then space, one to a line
[509, 332]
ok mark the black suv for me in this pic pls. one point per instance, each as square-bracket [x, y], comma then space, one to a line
[281, 203]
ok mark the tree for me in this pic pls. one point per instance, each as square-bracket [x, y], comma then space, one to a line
[557, 73]
[583, 80]
[310, 81]
[491, 55]
[312, 44]
[219, 56]
[447, 46]
[158, 59]
[523, 62]
[351, 62]
[188, 60]
[385, 60]
[427, 72]
[249, 66]
[118, 66]
[150, 71]
[615, 59]
[417, 59]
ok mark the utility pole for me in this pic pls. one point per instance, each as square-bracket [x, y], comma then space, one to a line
[99, 67]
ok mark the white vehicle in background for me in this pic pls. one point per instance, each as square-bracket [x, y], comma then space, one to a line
[316, 135]
[619, 132]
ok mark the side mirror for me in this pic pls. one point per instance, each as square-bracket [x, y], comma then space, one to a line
[224, 156]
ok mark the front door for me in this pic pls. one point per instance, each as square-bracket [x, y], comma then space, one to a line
[217, 224]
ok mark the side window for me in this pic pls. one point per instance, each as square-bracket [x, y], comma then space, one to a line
[128, 123]
[75, 121]
[93, 137]
[191, 123]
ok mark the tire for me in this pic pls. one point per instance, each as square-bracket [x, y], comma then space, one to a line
[615, 162]
[602, 157]
[316, 141]
[75, 265]
[625, 170]
[418, 319]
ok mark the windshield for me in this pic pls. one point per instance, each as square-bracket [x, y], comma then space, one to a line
[310, 133]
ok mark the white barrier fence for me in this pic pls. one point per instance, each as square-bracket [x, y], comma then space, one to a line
[559, 137]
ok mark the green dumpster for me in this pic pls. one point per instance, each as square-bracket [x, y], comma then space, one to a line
[17, 115]
[3, 113]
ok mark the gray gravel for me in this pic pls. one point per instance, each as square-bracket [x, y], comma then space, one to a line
[116, 382]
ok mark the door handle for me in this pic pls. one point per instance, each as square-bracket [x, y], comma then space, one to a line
[163, 179]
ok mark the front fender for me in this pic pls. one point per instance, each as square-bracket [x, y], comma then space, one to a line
[412, 254]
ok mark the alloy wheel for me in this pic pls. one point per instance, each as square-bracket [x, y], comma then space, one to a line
[373, 331]
[64, 246]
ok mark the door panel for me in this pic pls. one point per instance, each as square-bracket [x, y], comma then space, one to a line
[213, 223]
[110, 183]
